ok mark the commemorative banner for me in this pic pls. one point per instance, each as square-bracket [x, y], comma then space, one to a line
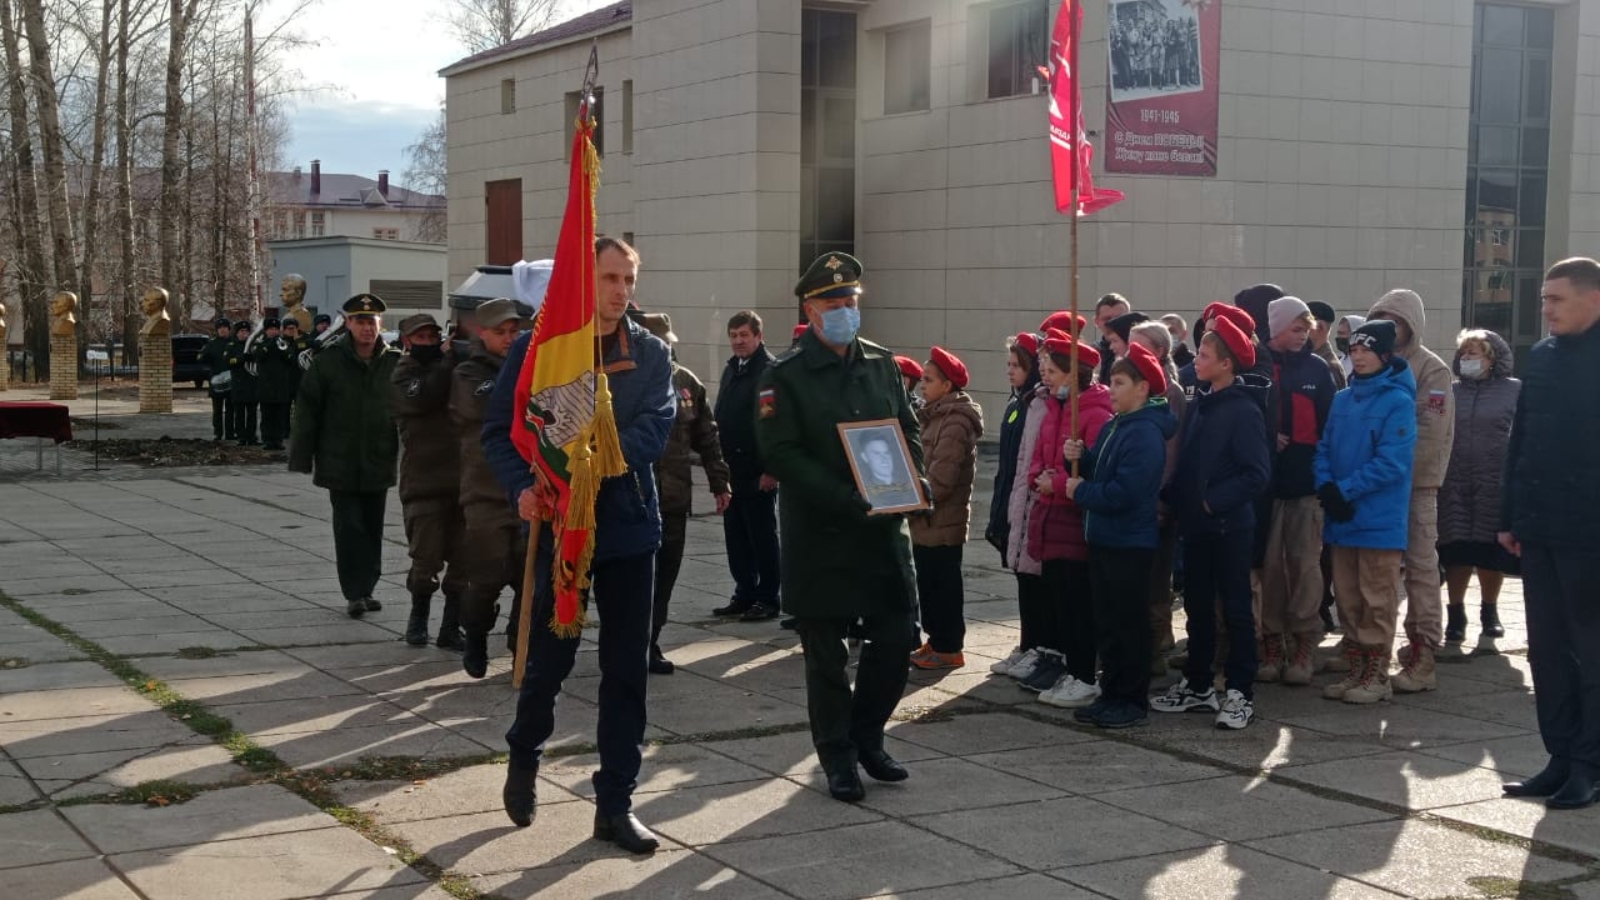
[1161, 108]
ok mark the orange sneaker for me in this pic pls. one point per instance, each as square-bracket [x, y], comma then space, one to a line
[936, 660]
[921, 654]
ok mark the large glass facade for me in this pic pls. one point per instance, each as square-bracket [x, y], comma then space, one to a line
[827, 133]
[1508, 163]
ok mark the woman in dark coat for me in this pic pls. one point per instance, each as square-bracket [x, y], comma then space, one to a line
[1469, 500]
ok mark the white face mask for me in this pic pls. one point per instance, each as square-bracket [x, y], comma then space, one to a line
[1472, 368]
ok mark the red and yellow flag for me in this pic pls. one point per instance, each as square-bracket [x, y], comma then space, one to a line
[567, 432]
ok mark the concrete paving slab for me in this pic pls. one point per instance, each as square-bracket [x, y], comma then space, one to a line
[747, 810]
[159, 644]
[1236, 808]
[984, 732]
[332, 631]
[1414, 858]
[58, 676]
[1577, 830]
[99, 773]
[1019, 887]
[173, 622]
[1219, 871]
[309, 716]
[40, 648]
[224, 665]
[88, 879]
[665, 767]
[38, 836]
[940, 785]
[227, 814]
[301, 683]
[1515, 757]
[792, 753]
[126, 608]
[431, 669]
[348, 745]
[859, 861]
[487, 843]
[15, 787]
[274, 867]
[1088, 832]
[1095, 766]
[382, 653]
[70, 703]
[1407, 778]
[1403, 727]
[1265, 745]
[466, 791]
[60, 737]
[668, 874]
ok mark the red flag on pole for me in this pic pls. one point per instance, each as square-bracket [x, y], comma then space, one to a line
[1070, 152]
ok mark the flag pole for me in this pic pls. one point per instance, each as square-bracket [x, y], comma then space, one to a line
[524, 623]
[1075, 123]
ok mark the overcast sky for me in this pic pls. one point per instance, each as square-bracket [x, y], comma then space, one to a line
[380, 63]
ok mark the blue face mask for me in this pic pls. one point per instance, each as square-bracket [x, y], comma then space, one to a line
[839, 326]
[1064, 392]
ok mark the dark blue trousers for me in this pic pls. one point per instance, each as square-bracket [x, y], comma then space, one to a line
[621, 591]
[1564, 648]
[750, 528]
[1217, 575]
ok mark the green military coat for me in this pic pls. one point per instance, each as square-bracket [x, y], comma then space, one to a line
[343, 432]
[837, 561]
[276, 369]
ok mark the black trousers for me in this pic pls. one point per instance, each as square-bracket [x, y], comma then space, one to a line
[1069, 626]
[940, 593]
[750, 529]
[1120, 580]
[1031, 610]
[845, 722]
[1564, 648]
[621, 591]
[243, 416]
[493, 558]
[274, 423]
[221, 417]
[1218, 567]
[358, 540]
[669, 561]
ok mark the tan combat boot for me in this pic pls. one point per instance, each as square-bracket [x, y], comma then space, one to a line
[1418, 674]
[1297, 670]
[1374, 683]
[1354, 668]
[1271, 666]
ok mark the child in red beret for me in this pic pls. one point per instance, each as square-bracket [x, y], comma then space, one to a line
[951, 425]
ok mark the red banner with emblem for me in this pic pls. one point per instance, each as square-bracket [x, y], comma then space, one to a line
[1161, 95]
[1071, 155]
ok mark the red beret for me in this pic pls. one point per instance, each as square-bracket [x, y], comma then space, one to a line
[1241, 319]
[1150, 368]
[1063, 321]
[954, 369]
[1238, 341]
[908, 367]
[1059, 344]
[799, 330]
[1028, 342]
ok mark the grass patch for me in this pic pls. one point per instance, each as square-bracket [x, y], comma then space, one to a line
[1497, 887]
[198, 653]
[13, 662]
[399, 768]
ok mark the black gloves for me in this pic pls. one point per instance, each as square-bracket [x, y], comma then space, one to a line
[1334, 504]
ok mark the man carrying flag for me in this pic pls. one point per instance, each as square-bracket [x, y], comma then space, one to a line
[579, 414]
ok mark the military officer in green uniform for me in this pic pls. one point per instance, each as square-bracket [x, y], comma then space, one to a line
[840, 564]
[345, 438]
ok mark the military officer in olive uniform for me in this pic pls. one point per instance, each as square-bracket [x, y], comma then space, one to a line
[430, 479]
[694, 432]
[276, 368]
[242, 405]
[495, 542]
[839, 563]
[344, 437]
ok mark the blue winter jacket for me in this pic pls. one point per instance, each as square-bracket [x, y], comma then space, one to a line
[627, 513]
[1366, 451]
[1223, 459]
[1122, 473]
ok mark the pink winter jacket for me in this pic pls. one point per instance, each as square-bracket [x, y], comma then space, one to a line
[1055, 528]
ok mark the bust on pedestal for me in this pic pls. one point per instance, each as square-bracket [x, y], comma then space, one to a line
[155, 353]
[293, 294]
[64, 346]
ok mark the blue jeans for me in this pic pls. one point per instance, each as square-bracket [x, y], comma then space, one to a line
[622, 591]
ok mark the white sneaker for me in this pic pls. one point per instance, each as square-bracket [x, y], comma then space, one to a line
[1182, 698]
[1025, 666]
[1070, 693]
[1236, 711]
[1004, 666]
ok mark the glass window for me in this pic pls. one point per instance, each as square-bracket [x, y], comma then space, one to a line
[317, 224]
[508, 96]
[836, 50]
[1019, 43]
[1501, 25]
[839, 128]
[627, 117]
[1541, 28]
[1537, 105]
[907, 54]
[1496, 146]
[827, 133]
[1500, 88]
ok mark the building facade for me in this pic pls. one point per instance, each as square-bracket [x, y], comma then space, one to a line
[408, 275]
[1448, 146]
[319, 204]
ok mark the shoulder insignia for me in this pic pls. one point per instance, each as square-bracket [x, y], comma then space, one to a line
[785, 356]
[484, 388]
[684, 393]
[414, 388]
[768, 403]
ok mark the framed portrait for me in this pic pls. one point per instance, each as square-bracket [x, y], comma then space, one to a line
[881, 462]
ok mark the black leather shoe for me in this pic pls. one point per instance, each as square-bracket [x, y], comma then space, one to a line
[660, 665]
[371, 604]
[1547, 782]
[475, 658]
[759, 612]
[789, 623]
[1579, 791]
[734, 608]
[451, 639]
[626, 832]
[1489, 617]
[846, 785]
[882, 767]
[355, 608]
[520, 795]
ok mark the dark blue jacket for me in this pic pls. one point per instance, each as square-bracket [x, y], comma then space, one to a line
[1122, 474]
[1223, 460]
[1005, 475]
[1552, 476]
[1366, 450]
[627, 513]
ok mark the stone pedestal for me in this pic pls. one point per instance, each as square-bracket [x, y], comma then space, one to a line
[5, 369]
[63, 367]
[155, 373]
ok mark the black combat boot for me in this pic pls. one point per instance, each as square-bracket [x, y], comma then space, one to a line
[475, 658]
[1455, 629]
[1489, 618]
[417, 624]
[450, 637]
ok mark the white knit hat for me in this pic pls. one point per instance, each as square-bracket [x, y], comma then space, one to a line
[1282, 313]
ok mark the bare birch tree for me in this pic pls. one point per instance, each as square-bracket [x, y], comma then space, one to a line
[480, 25]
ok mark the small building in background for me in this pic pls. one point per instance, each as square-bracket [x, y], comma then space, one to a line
[410, 276]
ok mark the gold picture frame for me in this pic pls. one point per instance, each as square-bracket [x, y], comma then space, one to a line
[886, 479]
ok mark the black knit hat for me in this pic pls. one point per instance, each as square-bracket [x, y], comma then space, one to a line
[1255, 300]
[1377, 335]
[1123, 325]
[1322, 312]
